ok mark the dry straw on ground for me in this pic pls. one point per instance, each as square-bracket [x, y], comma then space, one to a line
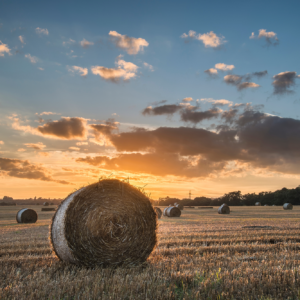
[287, 206]
[158, 212]
[108, 223]
[224, 209]
[172, 212]
[26, 215]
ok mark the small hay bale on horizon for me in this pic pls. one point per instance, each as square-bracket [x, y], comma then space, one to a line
[224, 209]
[26, 215]
[108, 223]
[180, 206]
[287, 206]
[46, 203]
[257, 204]
[172, 212]
[158, 212]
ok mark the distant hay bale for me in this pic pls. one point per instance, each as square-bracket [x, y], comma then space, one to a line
[158, 212]
[172, 212]
[26, 215]
[46, 203]
[257, 204]
[48, 209]
[108, 223]
[266, 205]
[287, 206]
[224, 209]
[180, 206]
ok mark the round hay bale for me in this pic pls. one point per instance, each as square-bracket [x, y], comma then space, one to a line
[180, 206]
[46, 203]
[257, 204]
[26, 215]
[164, 211]
[224, 209]
[108, 223]
[48, 209]
[266, 205]
[173, 211]
[287, 206]
[158, 212]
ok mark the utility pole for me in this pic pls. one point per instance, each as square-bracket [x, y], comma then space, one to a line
[190, 195]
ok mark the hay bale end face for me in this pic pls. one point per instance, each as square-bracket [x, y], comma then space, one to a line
[164, 211]
[257, 204]
[287, 206]
[158, 212]
[26, 215]
[224, 209]
[108, 223]
[172, 212]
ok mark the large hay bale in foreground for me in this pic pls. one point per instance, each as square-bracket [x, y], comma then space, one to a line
[48, 209]
[257, 204]
[108, 223]
[46, 203]
[173, 211]
[158, 212]
[26, 215]
[287, 206]
[180, 206]
[224, 209]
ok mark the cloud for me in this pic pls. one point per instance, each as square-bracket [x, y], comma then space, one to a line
[21, 150]
[101, 131]
[236, 80]
[81, 143]
[220, 102]
[211, 72]
[1, 143]
[32, 59]
[125, 70]
[260, 74]
[47, 113]
[130, 44]
[4, 49]
[82, 71]
[42, 69]
[24, 169]
[150, 67]
[209, 39]
[187, 99]
[35, 146]
[270, 37]
[194, 116]
[85, 44]
[283, 82]
[74, 148]
[68, 42]
[42, 31]
[21, 38]
[167, 109]
[224, 67]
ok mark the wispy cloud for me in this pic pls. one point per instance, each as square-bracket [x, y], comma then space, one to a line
[224, 67]
[211, 72]
[283, 82]
[130, 44]
[82, 71]
[42, 31]
[237, 81]
[150, 67]
[217, 102]
[33, 59]
[270, 37]
[85, 44]
[35, 146]
[21, 38]
[4, 49]
[187, 99]
[209, 39]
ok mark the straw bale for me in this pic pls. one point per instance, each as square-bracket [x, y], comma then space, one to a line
[164, 211]
[26, 215]
[108, 223]
[287, 206]
[180, 206]
[257, 204]
[158, 212]
[224, 209]
[173, 211]
[46, 203]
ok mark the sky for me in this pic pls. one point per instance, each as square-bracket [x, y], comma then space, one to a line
[176, 96]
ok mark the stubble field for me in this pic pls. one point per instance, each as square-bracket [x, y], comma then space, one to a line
[201, 255]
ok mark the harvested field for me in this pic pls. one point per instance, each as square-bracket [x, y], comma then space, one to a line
[252, 253]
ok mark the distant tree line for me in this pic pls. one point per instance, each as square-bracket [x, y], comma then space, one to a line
[238, 199]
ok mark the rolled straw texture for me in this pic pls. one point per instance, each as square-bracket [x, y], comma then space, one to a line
[287, 206]
[224, 209]
[108, 223]
[158, 212]
[173, 211]
[26, 215]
